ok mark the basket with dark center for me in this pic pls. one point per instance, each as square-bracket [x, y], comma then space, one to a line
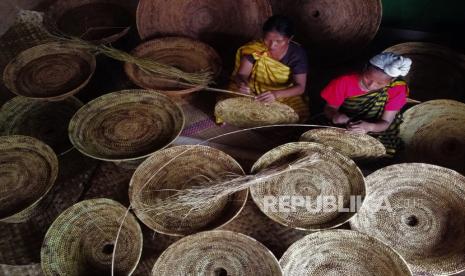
[51, 71]
[178, 168]
[327, 173]
[217, 253]
[186, 54]
[342, 252]
[28, 170]
[127, 125]
[100, 21]
[434, 132]
[82, 240]
[418, 209]
[437, 72]
[44, 120]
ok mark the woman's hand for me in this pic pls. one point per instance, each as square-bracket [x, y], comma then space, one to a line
[340, 118]
[244, 88]
[361, 127]
[267, 97]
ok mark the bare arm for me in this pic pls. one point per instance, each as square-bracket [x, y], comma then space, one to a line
[336, 117]
[243, 74]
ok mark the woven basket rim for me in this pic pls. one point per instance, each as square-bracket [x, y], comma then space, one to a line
[73, 123]
[45, 48]
[242, 195]
[33, 142]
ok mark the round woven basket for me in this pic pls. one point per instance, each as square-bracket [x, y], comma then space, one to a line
[51, 71]
[179, 168]
[352, 145]
[434, 132]
[126, 125]
[100, 21]
[28, 170]
[326, 174]
[437, 72]
[44, 120]
[418, 209]
[246, 112]
[187, 54]
[333, 29]
[217, 253]
[209, 21]
[81, 241]
[342, 252]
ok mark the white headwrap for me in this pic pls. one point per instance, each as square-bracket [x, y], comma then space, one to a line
[392, 64]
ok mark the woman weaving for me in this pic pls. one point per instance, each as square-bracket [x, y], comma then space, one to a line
[275, 68]
[370, 101]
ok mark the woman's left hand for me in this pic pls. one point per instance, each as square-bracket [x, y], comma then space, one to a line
[360, 127]
[266, 97]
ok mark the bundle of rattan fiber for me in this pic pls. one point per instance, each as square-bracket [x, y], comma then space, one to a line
[158, 179]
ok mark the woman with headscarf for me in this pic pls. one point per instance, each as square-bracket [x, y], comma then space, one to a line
[370, 101]
[273, 68]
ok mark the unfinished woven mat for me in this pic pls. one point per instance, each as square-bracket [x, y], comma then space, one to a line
[126, 125]
[434, 132]
[44, 120]
[209, 21]
[20, 242]
[28, 170]
[217, 253]
[327, 174]
[333, 29]
[342, 252]
[246, 112]
[101, 21]
[418, 209]
[437, 72]
[82, 239]
[186, 54]
[178, 168]
[352, 145]
[51, 71]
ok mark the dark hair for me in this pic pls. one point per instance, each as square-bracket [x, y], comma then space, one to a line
[279, 23]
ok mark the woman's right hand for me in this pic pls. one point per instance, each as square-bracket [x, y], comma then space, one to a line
[340, 119]
[244, 88]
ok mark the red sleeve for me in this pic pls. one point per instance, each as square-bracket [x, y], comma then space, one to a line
[397, 98]
[334, 92]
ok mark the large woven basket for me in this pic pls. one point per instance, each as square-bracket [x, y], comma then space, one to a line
[246, 112]
[127, 125]
[437, 72]
[178, 168]
[101, 21]
[342, 252]
[51, 71]
[44, 120]
[352, 145]
[28, 170]
[211, 21]
[434, 132]
[83, 239]
[333, 30]
[327, 173]
[187, 54]
[418, 209]
[217, 253]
